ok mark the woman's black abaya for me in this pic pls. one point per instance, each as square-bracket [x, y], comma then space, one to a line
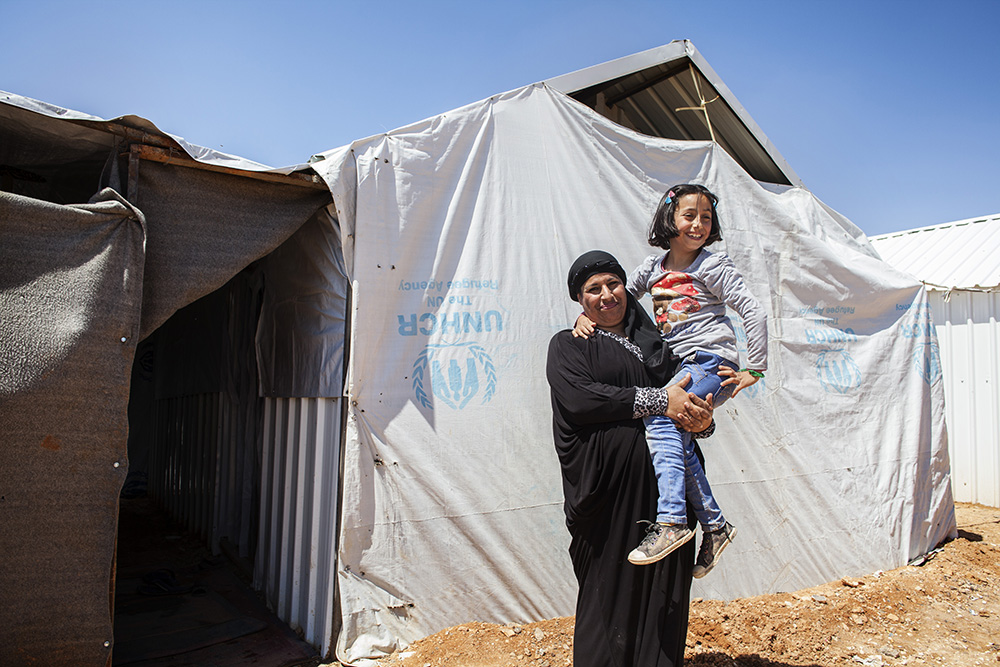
[626, 615]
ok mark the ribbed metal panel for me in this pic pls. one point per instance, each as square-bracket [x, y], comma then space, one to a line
[296, 554]
[182, 460]
[969, 338]
[202, 467]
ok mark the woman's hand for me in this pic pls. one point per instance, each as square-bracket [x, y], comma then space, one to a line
[583, 328]
[691, 412]
[742, 379]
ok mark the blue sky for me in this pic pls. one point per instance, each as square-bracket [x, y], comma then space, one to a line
[888, 110]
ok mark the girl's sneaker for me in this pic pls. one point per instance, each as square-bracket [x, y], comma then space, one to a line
[660, 541]
[712, 544]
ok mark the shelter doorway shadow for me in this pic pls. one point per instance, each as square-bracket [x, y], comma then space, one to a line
[177, 604]
[189, 509]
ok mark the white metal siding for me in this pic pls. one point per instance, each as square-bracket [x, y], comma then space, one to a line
[959, 263]
[295, 565]
[969, 339]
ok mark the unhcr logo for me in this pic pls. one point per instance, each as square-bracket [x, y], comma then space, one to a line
[837, 371]
[927, 359]
[455, 374]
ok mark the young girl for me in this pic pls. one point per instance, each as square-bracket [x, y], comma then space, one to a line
[691, 288]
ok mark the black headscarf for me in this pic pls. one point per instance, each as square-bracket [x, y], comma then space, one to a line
[638, 327]
[588, 264]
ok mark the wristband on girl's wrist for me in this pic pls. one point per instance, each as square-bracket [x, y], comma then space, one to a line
[756, 374]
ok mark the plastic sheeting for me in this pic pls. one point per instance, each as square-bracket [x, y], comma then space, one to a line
[300, 337]
[458, 232]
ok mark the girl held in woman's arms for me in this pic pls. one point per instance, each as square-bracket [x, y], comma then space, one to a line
[691, 288]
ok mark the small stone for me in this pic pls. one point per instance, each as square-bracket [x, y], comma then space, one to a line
[539, 634]
[821, 599]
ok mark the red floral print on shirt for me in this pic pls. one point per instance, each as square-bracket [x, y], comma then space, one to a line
[672, 300]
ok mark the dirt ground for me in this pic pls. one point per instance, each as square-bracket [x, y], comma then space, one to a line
[945, 611]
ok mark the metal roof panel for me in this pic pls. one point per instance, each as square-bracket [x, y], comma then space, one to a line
[668, 92]
[955, 255]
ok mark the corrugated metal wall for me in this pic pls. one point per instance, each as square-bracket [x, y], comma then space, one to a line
[295, 564]
[969, 339]
[182, 460]
[204, 473]
[204, 449]
[256, 474]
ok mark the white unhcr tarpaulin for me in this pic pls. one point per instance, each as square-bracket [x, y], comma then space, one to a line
[458, 232]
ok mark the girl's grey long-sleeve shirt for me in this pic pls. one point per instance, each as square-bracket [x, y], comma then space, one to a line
[689, 307]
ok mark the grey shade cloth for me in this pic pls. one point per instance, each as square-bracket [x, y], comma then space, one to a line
[204, 227]
[70, 289]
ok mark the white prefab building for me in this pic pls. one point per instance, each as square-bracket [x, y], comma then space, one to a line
[959, 263]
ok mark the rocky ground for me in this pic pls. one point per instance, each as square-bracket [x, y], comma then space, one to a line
[945, 611]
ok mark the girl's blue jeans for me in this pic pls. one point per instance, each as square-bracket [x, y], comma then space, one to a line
[680, 477]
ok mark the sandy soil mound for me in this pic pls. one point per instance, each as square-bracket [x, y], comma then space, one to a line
[945, 611]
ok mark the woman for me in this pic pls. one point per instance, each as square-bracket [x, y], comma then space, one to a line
[626, 616]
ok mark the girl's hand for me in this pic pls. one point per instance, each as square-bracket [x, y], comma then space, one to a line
[584, 327]
[742, 379]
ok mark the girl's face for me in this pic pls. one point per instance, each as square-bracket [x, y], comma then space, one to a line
[693, 219]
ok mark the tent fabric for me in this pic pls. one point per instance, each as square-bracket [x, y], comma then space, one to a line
[457, 233]
[70, 290]
[205, 227]
[300, 334]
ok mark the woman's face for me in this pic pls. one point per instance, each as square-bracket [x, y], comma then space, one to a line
[603, 300]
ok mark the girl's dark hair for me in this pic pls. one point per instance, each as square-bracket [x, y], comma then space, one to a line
[662, 229]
